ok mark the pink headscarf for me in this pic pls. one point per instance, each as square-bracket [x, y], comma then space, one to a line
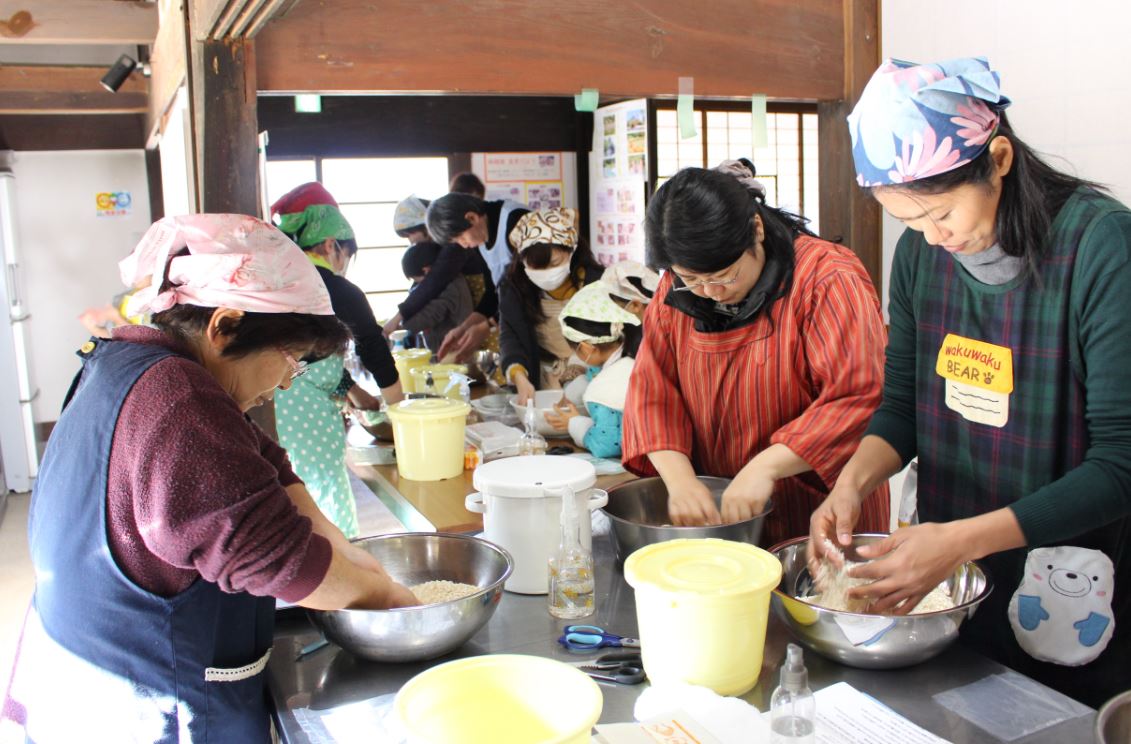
[234, 261]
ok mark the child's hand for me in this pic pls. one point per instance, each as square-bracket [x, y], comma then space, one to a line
[563, 412]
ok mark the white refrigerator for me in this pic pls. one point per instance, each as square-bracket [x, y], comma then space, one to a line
[18, 457]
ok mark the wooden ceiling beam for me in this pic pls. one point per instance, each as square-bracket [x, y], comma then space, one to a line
[78, 22]
[233, 19]
[42, 89]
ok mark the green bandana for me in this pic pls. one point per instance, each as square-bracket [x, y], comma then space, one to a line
[314, 224]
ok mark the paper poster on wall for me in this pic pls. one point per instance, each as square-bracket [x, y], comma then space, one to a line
[523, 166]
[513, 190]
[112, 203]
[544, 195]
[619, 172]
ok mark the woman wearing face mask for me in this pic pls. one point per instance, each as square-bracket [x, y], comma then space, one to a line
[551, 265]
[309, 414]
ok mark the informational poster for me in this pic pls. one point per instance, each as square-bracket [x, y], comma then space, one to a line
[541, 180]
[618, 178]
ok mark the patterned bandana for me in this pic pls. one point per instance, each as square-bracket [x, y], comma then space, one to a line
[552, 226]
[625, 278]
[233, 261]
[311, 214]
[592, 302]
[916, 121]
[409, 214]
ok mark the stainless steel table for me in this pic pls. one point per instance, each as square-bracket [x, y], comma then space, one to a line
[332, 677]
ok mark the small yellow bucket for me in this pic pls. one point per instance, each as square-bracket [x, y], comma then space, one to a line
[407, 360]
[428, 437]
[441, 377]
[499, 699]
[702, 608]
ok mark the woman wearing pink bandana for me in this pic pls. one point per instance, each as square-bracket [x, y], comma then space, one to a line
[164, 522]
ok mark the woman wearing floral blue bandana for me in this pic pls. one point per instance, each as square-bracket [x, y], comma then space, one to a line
[1005, 376]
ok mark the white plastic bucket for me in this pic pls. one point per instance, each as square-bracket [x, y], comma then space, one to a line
[428, 437]
[520, 500]
[702, 608]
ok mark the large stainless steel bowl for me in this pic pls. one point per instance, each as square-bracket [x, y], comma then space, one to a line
[638, 511]
[427, 631]
[1113, 722]
[882, 642]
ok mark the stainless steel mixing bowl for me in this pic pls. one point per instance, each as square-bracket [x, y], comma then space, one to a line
[427, 631]
[884, 642]
[638, 511]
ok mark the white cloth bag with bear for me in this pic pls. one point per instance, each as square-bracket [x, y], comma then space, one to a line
[1061, 612]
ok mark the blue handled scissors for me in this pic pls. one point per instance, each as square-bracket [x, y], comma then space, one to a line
[590, 637]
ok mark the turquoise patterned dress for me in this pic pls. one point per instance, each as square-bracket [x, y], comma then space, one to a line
[309, 419]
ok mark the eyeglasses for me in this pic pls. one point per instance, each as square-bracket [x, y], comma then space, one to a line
[690, 284]
[298, 369]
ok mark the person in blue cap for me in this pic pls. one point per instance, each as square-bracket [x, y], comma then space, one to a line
[1005, 375]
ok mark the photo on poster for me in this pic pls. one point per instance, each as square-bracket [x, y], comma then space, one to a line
[637, 142]
[610, 147]
[626, 200]
[609, 167]
[606, 200]
[548, 160]
[505, 190]
[637, 165]
[635, 120]
[544, 195]
[609, 125]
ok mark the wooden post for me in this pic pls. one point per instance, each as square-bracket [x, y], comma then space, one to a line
[848, 214]
[225, 141]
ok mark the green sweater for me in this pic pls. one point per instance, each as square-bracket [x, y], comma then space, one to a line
[1017, 396]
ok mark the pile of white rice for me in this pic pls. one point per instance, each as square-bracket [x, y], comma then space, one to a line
[434, 592]
[836, 583]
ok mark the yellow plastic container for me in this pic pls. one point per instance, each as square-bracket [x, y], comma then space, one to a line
[441, 376]
[408, 360]
[428, 437]
[499, 699]
[701, 608]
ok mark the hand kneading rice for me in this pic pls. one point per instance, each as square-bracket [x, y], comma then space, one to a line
[434, 592]
[836, 583]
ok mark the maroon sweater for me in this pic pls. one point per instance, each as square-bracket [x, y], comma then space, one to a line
[196, 490]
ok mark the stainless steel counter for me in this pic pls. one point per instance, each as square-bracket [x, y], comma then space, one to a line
[331, 677]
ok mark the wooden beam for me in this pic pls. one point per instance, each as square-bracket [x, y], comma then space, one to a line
[82, 22]
[233, 19]
[72, 132]
[847, 212]
[45, 89]
[168, 61]
[225, 126]
[732, 48]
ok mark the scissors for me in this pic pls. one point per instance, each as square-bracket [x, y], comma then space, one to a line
[590, 637]
[623, 668]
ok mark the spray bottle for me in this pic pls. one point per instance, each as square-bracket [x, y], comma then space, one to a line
[571, 568]
[793, 710]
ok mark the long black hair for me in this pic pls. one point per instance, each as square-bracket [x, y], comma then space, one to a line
[1032, 194]
[447, 218]
[582, 264]
[703, 220]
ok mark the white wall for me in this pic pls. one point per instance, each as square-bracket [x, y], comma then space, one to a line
[1065, 65]
[69, 254]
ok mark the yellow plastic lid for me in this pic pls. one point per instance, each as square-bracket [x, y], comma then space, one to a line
[428, 408]
[438, 369]
[412, 354]
[707, 566]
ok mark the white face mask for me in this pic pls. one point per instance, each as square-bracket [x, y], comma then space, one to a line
[549, 279]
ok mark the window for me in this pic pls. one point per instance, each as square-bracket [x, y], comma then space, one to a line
[787, 166]
[367, 190]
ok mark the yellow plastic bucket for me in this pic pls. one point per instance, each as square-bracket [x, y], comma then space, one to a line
[441, 377]
[702, 608]
[499, 699]
[408, 360]
[428, 437]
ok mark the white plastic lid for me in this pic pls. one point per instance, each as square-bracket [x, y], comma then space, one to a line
[530, 476]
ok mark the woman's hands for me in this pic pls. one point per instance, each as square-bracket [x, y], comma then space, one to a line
[831, 525]
[908, 565]
[690, 503]
[523, 387]
[464, 339]
[746, 496]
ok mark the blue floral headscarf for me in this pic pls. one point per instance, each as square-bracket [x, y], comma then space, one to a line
[915, 121]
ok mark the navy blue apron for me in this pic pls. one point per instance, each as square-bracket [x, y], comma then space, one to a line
[203, 647]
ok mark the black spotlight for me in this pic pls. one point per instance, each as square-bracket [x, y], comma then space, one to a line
[116, 75]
